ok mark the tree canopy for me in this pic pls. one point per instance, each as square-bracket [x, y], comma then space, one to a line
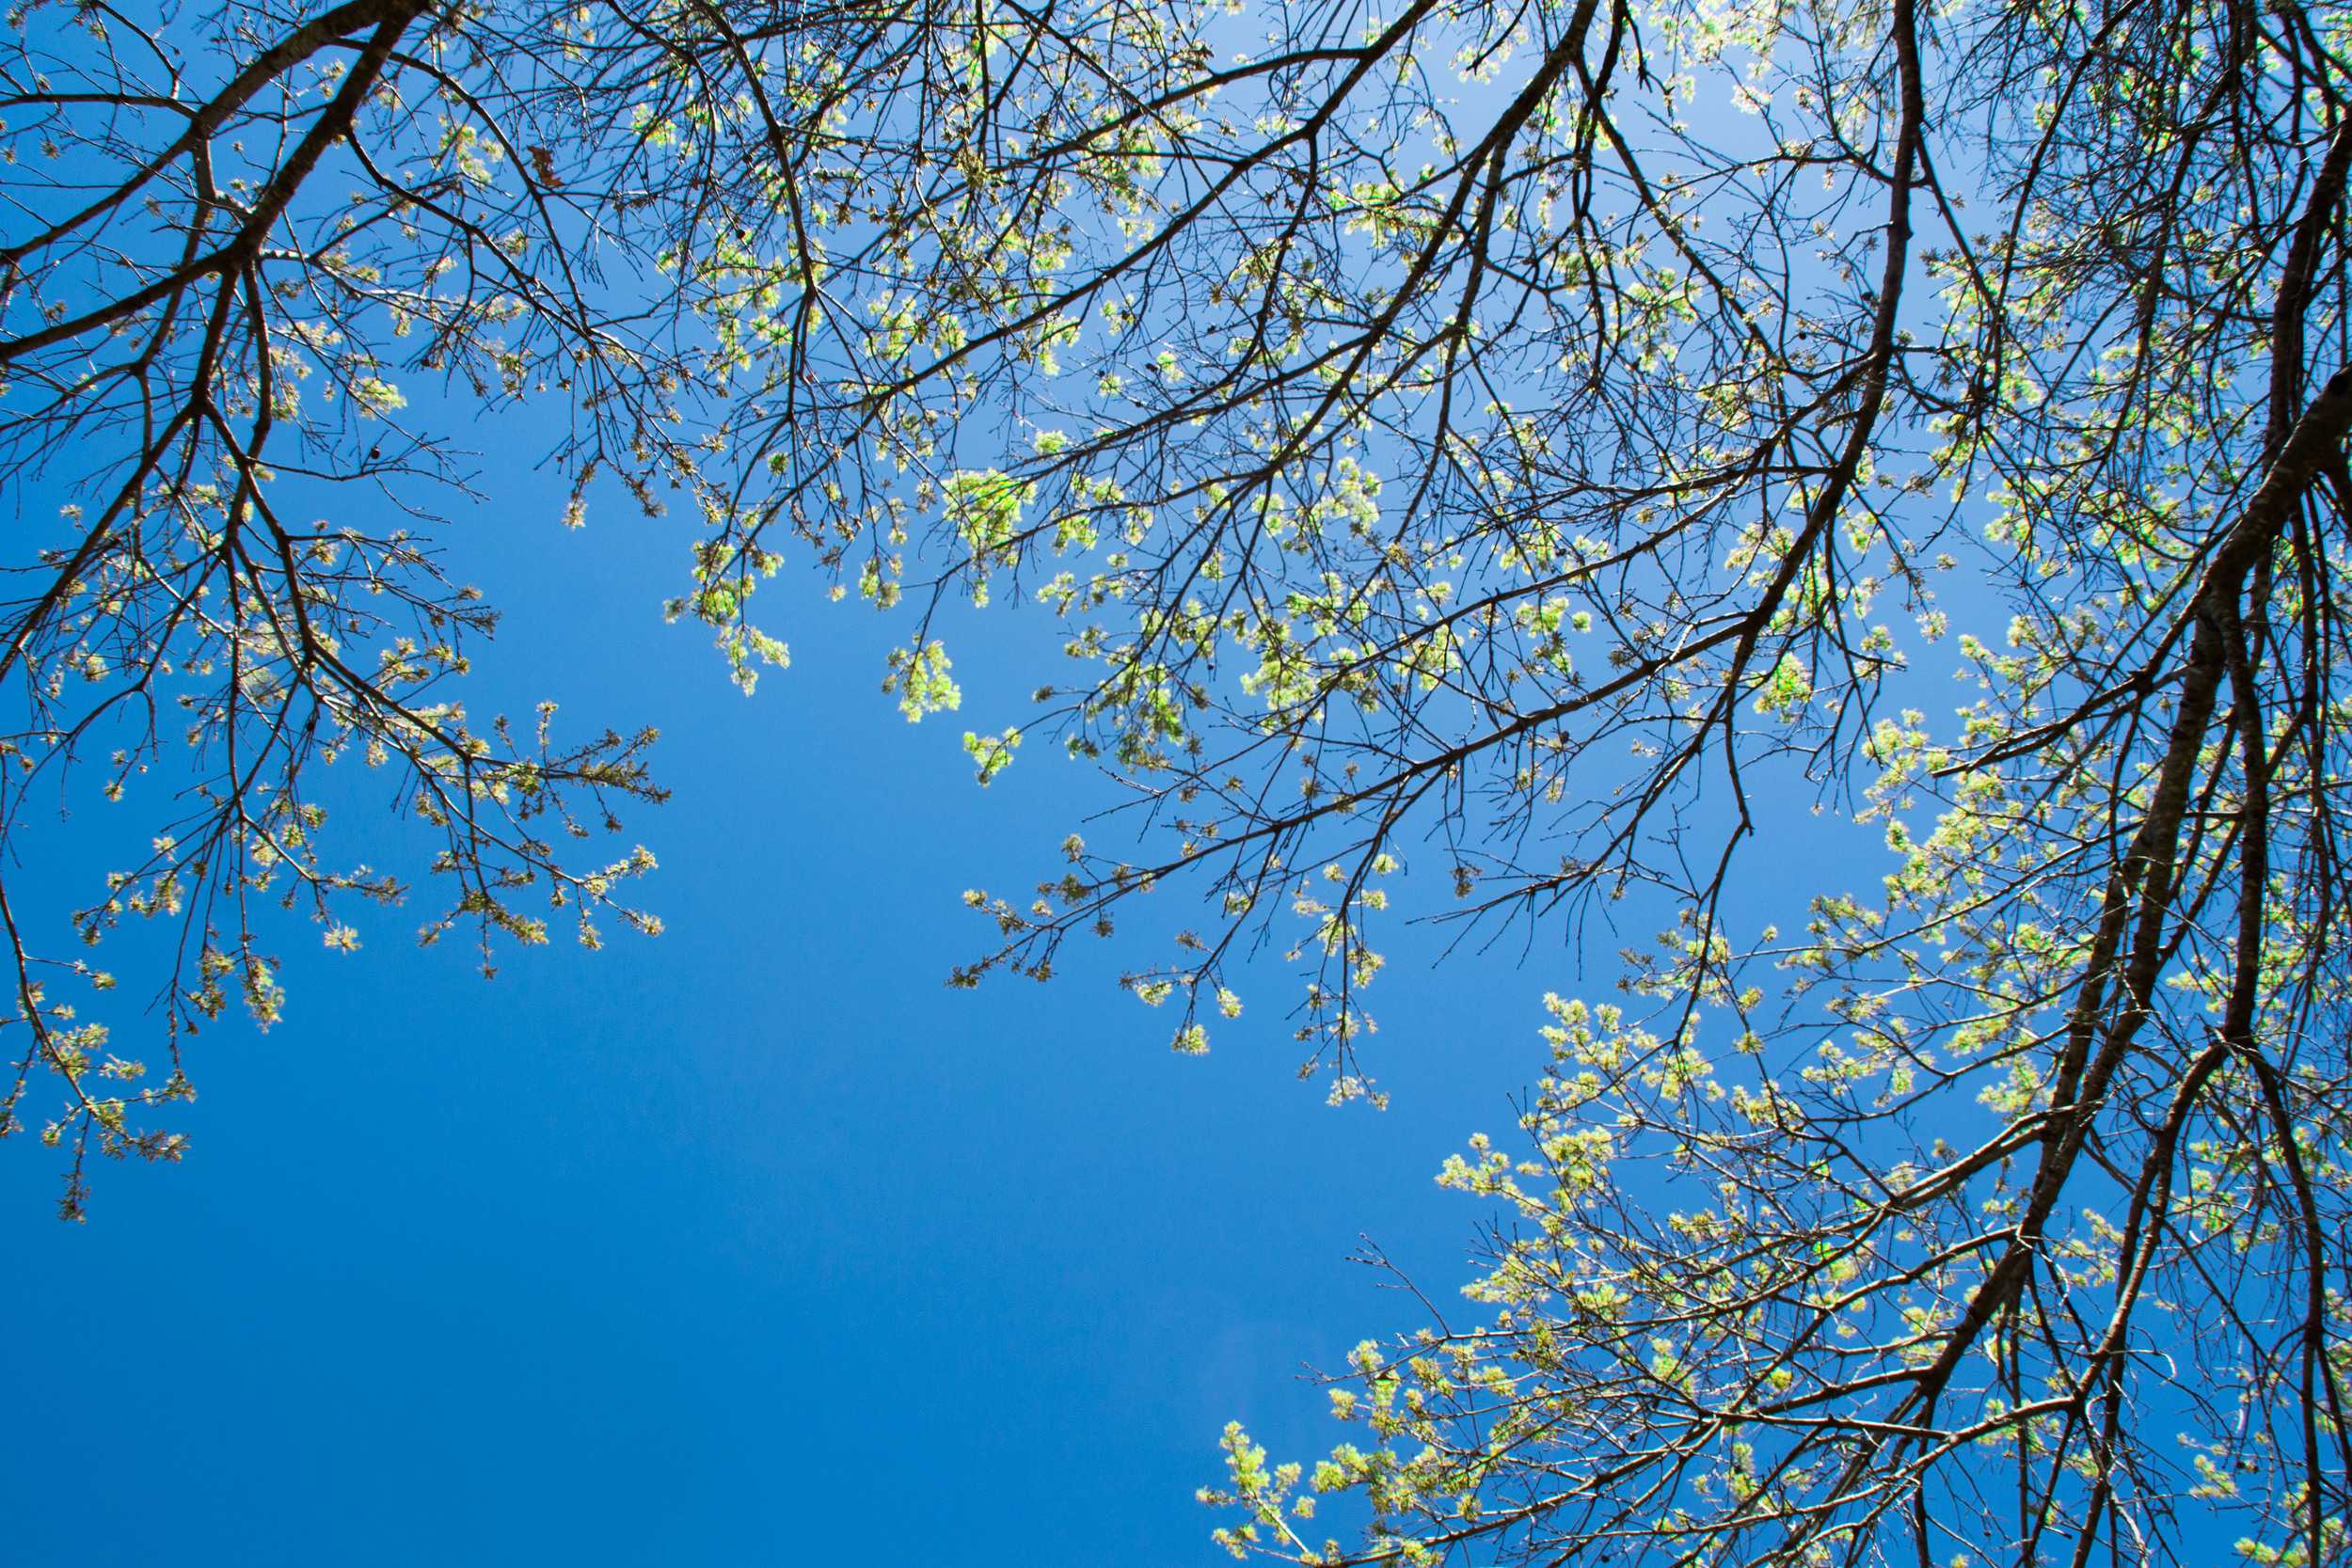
[1487, 461]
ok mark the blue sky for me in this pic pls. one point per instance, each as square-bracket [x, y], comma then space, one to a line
[753, 1242]
[750, 1243]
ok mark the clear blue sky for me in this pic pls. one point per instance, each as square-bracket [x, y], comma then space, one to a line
[751, 1242]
